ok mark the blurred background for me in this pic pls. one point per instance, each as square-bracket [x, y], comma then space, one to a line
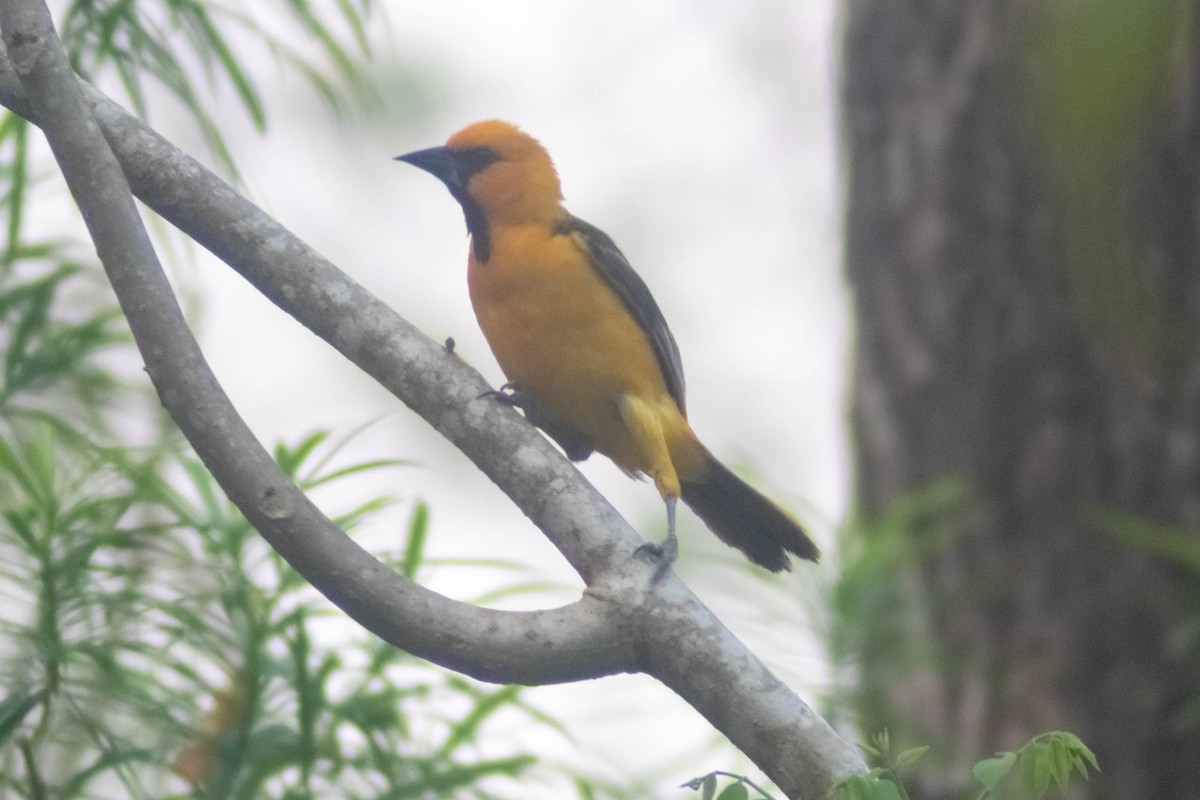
[1000, 459]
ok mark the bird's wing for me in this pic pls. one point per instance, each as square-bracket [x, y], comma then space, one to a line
[612, 266]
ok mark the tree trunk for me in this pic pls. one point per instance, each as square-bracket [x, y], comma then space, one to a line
[1023, 242]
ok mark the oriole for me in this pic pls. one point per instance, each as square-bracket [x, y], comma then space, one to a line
[587, 353]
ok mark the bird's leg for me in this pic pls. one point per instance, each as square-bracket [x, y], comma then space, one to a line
[666, 551]
[508, 395]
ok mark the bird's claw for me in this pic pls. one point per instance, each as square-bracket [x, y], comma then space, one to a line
[664, 553]
[508, 394]
[654, 549]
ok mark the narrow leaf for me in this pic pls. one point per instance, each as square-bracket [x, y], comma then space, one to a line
[14, 708]
[910, 756]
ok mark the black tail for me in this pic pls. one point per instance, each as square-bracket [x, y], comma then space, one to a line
[743, 518]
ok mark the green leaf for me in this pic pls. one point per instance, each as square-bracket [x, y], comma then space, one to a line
[487, 704]
[872, 751]
[442, 783]
[864, 787]
[883, 742]
[354, 20]
[1052, 757]
[14, 709]
[910, 756]
[17, 184]
[371, 711]
[735, 791]
[211, 505]
[1172, 543]
[1084, 752]
[886, 790]
[414, 546]
[290, 459]
[990, 771]
[352, 517]
[241, 82]
[354, 470]
[104, 763]
[1061, 761]
[1035, 765]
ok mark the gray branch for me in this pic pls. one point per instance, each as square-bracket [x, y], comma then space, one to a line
[622, 623]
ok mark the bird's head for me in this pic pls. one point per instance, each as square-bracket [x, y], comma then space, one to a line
[494, 166]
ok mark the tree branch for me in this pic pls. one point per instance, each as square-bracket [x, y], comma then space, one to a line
[532, 647]
[623, 622]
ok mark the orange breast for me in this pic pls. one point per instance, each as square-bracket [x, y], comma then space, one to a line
[561, 334]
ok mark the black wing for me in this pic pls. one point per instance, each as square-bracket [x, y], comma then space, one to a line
[616, 271]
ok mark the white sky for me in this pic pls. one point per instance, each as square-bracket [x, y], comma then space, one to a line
[699, 135]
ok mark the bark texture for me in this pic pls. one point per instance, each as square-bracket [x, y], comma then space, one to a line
[1023, 243]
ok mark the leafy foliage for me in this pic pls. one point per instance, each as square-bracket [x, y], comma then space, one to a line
[151, 645]
[1050, 757]
[739, 789]
[1045, 759]
[148, 630]
[884, 604]
[165, 41]
[145, 598]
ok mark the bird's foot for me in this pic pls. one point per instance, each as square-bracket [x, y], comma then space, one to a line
[663, 553]
[508, 395]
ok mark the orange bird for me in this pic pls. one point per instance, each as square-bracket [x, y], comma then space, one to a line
[588, 355]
